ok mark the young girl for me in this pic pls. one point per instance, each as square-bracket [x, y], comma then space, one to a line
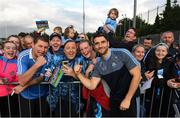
[69, 33]
[111, 23]
[8, 70]
[157, 97]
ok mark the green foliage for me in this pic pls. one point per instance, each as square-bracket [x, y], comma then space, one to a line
[168, 20]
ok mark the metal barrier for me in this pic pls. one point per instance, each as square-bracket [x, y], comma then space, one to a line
[143, 102]
[151, 107]
[18, 98]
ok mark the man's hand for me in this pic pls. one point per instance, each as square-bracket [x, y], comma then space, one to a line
[18, 89]
[41, 30]
[40, 61]
[48, 73]
[173, 84]
[77, 69]
[149, 74]
[89, 69]
[68, 71]
[124, 105]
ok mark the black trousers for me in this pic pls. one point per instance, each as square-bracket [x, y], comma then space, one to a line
[9, 106]
[34, 108]
[116, 112]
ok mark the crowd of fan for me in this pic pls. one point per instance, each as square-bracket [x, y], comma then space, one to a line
[112, 74]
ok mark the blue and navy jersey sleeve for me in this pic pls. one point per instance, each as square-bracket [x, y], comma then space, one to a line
[55, 61]
[22, 64]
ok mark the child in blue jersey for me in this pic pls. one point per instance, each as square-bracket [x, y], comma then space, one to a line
[110, 24]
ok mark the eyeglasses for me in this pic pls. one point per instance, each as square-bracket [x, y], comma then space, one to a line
[81, 37]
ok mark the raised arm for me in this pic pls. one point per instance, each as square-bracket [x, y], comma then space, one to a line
[91, 84]
[26, 76]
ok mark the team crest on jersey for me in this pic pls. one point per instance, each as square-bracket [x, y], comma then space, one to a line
[114, 64]
[12, 73]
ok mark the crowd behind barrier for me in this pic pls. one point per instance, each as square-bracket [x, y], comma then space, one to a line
[71, 74]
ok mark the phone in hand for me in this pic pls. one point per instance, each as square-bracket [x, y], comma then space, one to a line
[65, 62]
[152, 69]
[177, 79]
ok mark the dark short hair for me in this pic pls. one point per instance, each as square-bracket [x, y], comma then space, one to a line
[42, 38]
[100, 34]
[134, 30]
[22, 34]
[148, 38]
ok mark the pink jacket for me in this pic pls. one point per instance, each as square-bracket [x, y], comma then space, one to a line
[8, 70]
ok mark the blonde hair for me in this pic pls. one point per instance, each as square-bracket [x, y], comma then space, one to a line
[136, 46]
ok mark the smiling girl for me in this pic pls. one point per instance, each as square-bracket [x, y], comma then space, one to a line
[8, 74]
[159, 93]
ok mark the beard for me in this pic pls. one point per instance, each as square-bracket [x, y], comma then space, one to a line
[103, 53]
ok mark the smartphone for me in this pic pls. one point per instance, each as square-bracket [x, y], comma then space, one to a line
[177, 79]
[152, 69]
[65, 62]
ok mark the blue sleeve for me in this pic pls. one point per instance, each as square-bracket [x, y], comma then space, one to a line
[111, 24]
[22, 64]
[108, 21]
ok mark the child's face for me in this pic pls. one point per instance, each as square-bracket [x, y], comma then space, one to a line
[71, 33]
[113, 15]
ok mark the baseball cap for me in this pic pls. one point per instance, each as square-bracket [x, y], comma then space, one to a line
[54, 35]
